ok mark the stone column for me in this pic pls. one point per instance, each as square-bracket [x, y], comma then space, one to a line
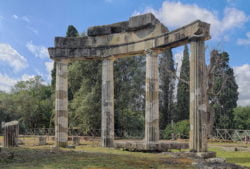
[152, 99]
[107, 103]
[61, 105]
[198, 97]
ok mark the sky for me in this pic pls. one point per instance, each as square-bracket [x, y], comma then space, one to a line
[28, 28]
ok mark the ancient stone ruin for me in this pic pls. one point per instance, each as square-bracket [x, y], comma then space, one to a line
[140, 35]
[10, 133]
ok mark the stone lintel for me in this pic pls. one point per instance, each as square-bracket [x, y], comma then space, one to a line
[127, 43]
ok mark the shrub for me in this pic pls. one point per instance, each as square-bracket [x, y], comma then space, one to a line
[179, 129]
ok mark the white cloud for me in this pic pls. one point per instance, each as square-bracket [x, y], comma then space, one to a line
[6, 82]
[178, 61]
[15, 16]
[242, 74]
[12, 57]
[177, 14]
[38, 51]
[23, 18]
[26, 19]
[33, 30]
[49, 66]
[244, 41]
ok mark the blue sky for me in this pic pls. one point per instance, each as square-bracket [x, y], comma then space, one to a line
[28, 28]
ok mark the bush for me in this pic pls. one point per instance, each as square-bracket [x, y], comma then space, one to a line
[242, 118]
[179, 129]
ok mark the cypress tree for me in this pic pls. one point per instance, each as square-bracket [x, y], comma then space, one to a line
[166, 71]
[72, 31]
[129, 82]
[182, 107]
[224, 95]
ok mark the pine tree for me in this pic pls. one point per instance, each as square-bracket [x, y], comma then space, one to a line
[223, 94]
[166, 71]
[182, 107]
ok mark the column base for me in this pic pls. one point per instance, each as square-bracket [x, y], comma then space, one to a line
[62, 144]
[108, 142]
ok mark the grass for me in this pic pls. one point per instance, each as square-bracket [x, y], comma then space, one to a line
[236, 157]
[83, 158]
[91, 156]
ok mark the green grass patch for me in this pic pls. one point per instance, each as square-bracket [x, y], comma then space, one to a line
[90, 158]
[236, 157]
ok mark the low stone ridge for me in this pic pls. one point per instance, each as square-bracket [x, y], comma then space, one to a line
[157, 147]
[200, 155]
[134, 23]
[216, 165]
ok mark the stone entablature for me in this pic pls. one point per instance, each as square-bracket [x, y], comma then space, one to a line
[131, 37]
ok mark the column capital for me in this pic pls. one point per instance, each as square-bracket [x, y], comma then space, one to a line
[62, 61]
[196, 38]
[150, 52]
[109, 58]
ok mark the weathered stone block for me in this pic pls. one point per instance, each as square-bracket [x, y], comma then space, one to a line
[142, 21]
[99, 30]
[206, 155]
[76, 140]
[10, 133]
[216, 160]
[42, 140]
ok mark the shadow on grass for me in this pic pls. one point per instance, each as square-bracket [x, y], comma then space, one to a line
[43, 158]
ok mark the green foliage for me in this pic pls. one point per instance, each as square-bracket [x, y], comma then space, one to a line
[29, 102]
[72, 31]
[242, 118]
[85, 89]
[167, 84]
[129, 82]
[179, 129]
[224, 95]
[182, 107]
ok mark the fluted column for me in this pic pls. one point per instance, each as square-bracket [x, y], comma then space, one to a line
[107, 103]
[61, 104]
[198, 106]
[152, 98]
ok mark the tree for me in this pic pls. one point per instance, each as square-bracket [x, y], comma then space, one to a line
[223, 94]
[167, 80]
[129, 82]
[242, 118]
[32, 102]
[72, 31]
[182, 107]
[85, 87]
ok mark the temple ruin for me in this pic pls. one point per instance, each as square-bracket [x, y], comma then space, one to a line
[140, 35]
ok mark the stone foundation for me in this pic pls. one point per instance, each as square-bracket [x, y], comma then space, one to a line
[153, 147]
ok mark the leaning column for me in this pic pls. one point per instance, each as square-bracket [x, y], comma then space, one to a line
[61, 105]
[152, 99]
[107, 103]
[198, 96]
